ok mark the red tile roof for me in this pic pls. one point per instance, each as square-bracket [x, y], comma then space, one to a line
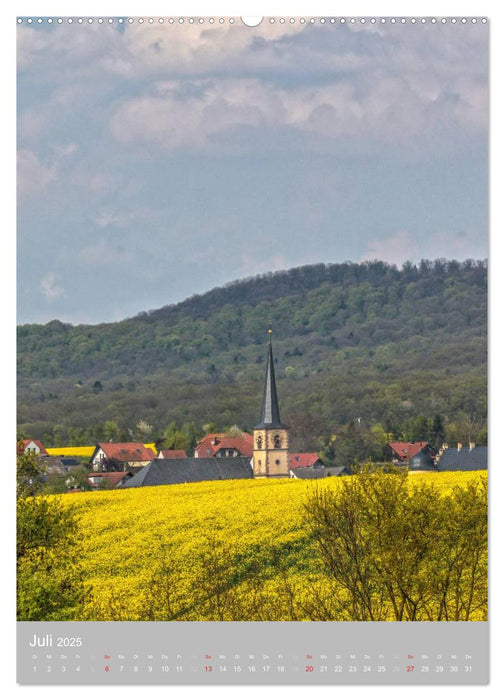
[302, 459]
[127, 451]
[41, 447]
[113, 478]
[407, 450]
[172, 454]
[212, 443]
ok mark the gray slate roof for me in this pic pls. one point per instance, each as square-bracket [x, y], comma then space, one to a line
[463, 459]
[70, 461]
[421, 461]
[317, 472]
[180, 471]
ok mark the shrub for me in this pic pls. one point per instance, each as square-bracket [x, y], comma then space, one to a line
[402, 550]
[49, 579]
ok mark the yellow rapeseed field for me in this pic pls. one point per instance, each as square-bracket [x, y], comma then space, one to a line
[84, 451]
[164, 552]
[81, 451]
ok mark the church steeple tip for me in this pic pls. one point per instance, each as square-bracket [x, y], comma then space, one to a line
[270, 414]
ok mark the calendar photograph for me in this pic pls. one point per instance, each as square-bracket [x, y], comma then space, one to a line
[252, 320]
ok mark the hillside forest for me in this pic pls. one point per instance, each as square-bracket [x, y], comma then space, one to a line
[364, 353]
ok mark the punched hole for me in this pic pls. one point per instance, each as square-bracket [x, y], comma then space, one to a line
[251, 21]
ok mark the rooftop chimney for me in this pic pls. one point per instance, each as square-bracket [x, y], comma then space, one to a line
[443, 447]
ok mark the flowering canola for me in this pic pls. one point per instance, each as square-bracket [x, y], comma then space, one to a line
[182, 530]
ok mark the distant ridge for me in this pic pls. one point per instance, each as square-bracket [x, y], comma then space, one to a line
[350, 340]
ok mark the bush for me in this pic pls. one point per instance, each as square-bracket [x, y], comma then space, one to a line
[401, 550]
[49, 581]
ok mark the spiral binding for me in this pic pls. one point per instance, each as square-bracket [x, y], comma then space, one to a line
[238, 20]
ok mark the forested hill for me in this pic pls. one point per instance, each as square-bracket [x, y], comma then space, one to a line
[350, 340]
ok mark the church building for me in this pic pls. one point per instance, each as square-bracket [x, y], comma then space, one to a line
[269, 447]
[271, 436]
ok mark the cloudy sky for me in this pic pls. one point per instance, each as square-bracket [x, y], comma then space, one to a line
[156, 161]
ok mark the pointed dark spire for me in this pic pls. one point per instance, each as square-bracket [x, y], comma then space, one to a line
[270, 414]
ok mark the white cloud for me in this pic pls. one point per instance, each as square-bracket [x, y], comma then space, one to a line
[459, 245]
[251, 265]
[110, 217]
[146, 50]
[177, 116]
[402, 246]
[107, 218]
[68, 45]
[395, 249]
[103, 254]
[185, 49]
[49, 288]
[63, 150]
[32, 175]
[181, 113]
[386, 84]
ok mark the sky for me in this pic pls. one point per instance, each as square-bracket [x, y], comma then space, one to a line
[156, 161]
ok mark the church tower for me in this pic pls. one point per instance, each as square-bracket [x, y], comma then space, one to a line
[271, 436]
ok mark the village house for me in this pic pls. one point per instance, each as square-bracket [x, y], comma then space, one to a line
[119, 456]
[304, 460]
[422, 461]
[110, 480]
[34, 447]
[172, 454]
[402, 452]
[458, 458]
[59, 465]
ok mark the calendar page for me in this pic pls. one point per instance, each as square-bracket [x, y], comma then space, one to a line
[252, 350]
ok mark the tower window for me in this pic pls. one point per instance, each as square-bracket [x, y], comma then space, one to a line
[277, 461]
[259, 441]
[277, 441]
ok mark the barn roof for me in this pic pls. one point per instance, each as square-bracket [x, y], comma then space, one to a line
[179, 471]
[463, 459]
